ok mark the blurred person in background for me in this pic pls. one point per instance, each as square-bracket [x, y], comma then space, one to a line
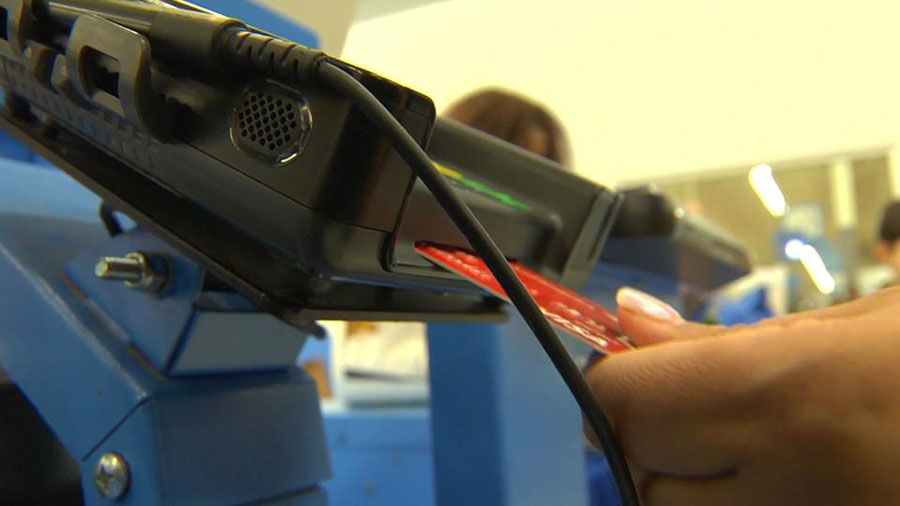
[887, 249]
[515, 119]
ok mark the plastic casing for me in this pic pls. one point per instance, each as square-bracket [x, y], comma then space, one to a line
[331, 209]
[340, 210]
[561, 221]
[653, 234]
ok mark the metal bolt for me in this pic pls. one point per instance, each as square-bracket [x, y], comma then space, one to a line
[111, 476]
[127, 268]
[136, 270]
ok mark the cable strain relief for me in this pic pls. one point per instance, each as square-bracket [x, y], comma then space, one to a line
[271, 56]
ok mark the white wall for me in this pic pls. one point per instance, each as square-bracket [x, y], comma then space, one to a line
[331, 19]
[369, 9]
[650, 89]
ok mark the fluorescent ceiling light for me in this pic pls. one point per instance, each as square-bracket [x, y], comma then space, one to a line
[793, 249]
[814, 265]
[767, 189]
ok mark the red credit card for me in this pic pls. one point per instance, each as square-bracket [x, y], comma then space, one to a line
[581, 317]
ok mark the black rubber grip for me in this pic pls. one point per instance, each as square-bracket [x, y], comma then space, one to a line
[269, 55]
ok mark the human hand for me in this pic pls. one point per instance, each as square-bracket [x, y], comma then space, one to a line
[797, 410]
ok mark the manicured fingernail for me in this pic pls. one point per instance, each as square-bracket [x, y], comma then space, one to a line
[650, 306]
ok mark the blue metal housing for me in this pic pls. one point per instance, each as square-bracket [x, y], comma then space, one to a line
[202, 439]
[505, 428]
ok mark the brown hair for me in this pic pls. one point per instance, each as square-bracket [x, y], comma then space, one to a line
[514, 119]
[889, 231]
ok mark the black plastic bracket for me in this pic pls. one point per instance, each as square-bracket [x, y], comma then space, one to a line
[38, 60]
[110, 66]
[16, 25]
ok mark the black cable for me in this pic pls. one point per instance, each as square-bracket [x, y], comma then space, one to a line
[481, 242]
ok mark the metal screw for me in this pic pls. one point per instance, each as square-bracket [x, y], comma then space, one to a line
[111, 476]
[131, 268]
[135, 270]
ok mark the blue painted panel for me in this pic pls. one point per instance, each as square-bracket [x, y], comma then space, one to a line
[225, 342]
[225, 440]
[367, 429]
[12, 149]
[61, 355]
[602, 487]
[380, 458]
[464, 371]
[155, 325]
[384, 458]
[24, 190]
[543, 444]
[505, 429]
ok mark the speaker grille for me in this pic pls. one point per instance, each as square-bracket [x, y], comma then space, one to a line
[271, 122]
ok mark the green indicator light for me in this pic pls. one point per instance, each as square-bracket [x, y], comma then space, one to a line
[483, 189]
[502, 197]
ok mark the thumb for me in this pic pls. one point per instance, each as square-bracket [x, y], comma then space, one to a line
[647, 320]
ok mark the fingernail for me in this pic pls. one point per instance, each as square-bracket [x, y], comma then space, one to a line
[650, 306]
